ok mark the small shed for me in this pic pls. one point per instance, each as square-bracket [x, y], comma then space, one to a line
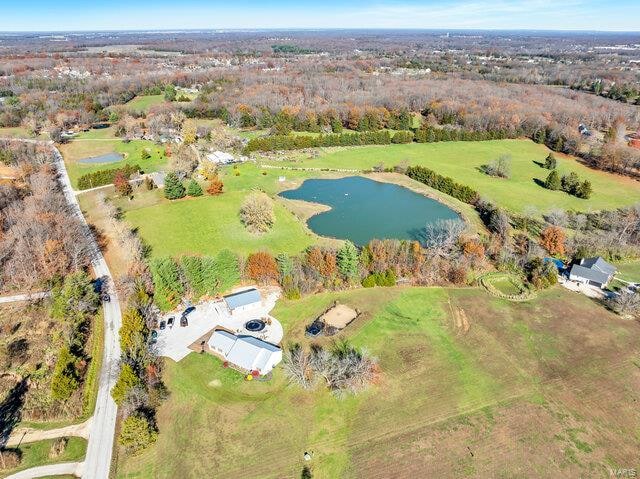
[243, 300]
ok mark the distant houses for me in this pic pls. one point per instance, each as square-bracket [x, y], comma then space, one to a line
[245, 352]
[592, 271]
[221, 158]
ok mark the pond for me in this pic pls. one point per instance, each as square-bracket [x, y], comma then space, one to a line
[364, 209]
[107, 158]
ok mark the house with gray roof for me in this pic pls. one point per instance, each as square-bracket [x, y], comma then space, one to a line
[592, 271]
[245, 352]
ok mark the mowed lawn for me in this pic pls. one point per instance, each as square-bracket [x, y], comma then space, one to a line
[462, 161]
[208, 224]
[540, 389]
[100, 142]
[142, 104]
[37, 453]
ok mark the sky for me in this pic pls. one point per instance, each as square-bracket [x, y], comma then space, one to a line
[66, 15]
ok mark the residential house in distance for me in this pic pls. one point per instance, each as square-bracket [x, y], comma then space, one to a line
[245, 352]
[220, 158]
[592, 271]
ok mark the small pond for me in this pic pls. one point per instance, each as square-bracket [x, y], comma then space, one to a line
[107, 158]
[364, 209]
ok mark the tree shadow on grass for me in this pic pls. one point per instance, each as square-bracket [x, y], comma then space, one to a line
[539, 182]
[539, 163]
[11, 411]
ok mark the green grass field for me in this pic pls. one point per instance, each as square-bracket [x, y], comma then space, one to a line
[208, 224]
[142, 104]
[462, 161]
[520, 389]
[37, 453]
[629, 271]
[97, 142]
[19, 132]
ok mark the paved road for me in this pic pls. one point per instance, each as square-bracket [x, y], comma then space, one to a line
[24, 297]
[97, 462]
[73, 468]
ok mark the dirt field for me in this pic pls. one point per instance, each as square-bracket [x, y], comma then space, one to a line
[339, 316]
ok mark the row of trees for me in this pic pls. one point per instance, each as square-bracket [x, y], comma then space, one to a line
[569, 183]
[107, 176]
[194, 276]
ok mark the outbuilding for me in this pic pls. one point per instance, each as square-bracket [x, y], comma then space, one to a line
[245, 352]
[592, 271]
[243, 300]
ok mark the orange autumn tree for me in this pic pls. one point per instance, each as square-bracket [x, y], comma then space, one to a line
[215, 186]
[262, 267]
[553, 240]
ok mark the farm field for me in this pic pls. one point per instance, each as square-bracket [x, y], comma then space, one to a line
[97, 142]
[546, 388]
[462, 161]
[19, 132]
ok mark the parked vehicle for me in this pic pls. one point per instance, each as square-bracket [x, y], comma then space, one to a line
[170, 321]
[189, 310]
[154, 336]
[184, 322]
[105, 298]
[163, 325]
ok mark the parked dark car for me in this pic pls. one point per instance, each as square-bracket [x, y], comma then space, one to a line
[170, 321]
[189, 310]
[105, 298]
[163, 325]
[184, 322]
[154, 336]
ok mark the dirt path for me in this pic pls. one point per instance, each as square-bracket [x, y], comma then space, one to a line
[24, 435]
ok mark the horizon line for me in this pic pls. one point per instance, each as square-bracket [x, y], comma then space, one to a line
[311, 29]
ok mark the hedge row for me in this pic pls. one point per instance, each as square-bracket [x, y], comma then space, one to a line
[443, 183]
[382, 137]
[297, 142]
[433, 135]
[105, 177]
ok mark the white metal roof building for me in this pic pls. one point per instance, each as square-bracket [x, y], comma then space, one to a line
[245, 352]
[243, 300]
[220, 157]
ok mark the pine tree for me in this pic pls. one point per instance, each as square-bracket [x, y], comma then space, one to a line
[584, 190]
[193, 188]
[347, 259]
[553, 181]
[173, 187]
[550, 163]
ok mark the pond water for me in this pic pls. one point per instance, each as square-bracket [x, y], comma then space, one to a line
[364, 209]
[107, 158]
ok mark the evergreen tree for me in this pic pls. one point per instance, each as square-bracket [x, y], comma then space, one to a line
[173, 187]
[137, 433]
[550, 162]
[132, 333]
[193, 188]
[570, 183]
[584, 190]
[553, 181]
[347, 259]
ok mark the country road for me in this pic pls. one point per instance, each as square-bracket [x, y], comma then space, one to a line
[97, 462]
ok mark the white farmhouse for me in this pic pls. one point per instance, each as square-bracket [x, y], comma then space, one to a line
[245, 352]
